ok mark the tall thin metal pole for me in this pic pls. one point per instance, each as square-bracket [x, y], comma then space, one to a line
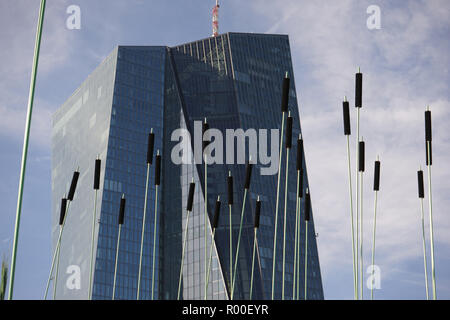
[214, 226]
[94, 216]
[157, 183]
[230, 204]
[256, 226]
[294, 278]
[55, 281]
[205, 127]
[376, 188]
[429, 162]
[347, 132]
[150, 146]
[120, 221]
[62, 216]
[307, 217]
[358, 105]
[361, 221]
[421, 196]
[190, 202]
[248, 173]
[284, 109]
[25, 147]
[288, 148]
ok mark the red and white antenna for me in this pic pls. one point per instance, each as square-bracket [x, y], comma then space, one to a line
[215, 19]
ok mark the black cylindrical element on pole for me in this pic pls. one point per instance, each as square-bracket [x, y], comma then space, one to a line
[73, 185]
[98, 164]
[216, 214]
[428, 125]
[358, 90]
[150, 147]
[190, 199]
[158, 170]
[307, 205]
[346, 110]
[122, 210]
[376, 176]
[420, 184]
[62, 213]
[257, 212]
[285, 94]
[299, 153]
[248, 175]
[428, 155]
[230, 189]
[300, 184]
[205, 127]
[289, 132]
[361, 163]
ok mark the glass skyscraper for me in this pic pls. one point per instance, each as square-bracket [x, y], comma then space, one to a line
[234, 81]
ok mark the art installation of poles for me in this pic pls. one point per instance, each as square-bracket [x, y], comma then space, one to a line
[298, 197]
[376, 188]
[361, 168]
[284, 109]
[190, 202]
[150, 146]
[288, 148]
[307, 216]
[157, 184]
[230, 205]
[256, 226]
[429, 162]
[62, 215]
[214, 227]
[121, 220]
[73, 187]
[23, 166]
[248, 174]
[347, 132]
[421, 196]
[98, 164]
[358, 105]
[205, 128]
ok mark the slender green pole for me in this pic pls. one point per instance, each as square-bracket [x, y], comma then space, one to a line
[182, 254]
[238, 244]
[55, 282]
[355, 287]
[209, 261]
[306, 260]
[115, 265]
[298, 248]
[154, 240]
[361, 287]
[206, 217]
[143, 232]
[433, 273]
[56, 254]
[276, 208]
[296, 239]
[253, 263]
[231, 244]
[25, 147]
[358, 280]
[284, 223]
[424, 249]
[92, 246]
[373, 240]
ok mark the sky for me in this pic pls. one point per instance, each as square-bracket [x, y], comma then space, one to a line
[406, 68]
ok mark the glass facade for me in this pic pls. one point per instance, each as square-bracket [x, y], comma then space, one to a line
[234, 80]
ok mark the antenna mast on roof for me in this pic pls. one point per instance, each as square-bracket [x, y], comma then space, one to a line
[215, 19]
